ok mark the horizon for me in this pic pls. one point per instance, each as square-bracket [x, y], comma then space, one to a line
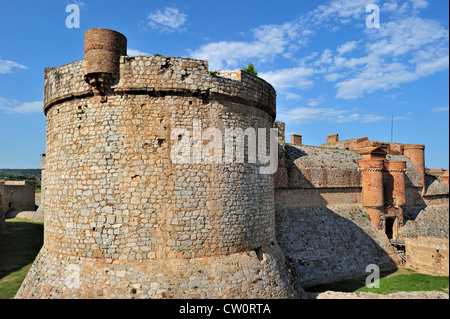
[334, 72]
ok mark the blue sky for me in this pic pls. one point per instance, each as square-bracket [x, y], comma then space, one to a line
[332, 73]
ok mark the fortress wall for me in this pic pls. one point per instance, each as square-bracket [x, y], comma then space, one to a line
[248, 275]
[38, 216]
[428, 255]
[18, 196]
[15, 196]
[124, 219]
[330, 243]
[316, 197]
[153, 75]
[317, 167]
[321, 226]
[415, 198]
[412, 174]
[112, 157]
[432, 221]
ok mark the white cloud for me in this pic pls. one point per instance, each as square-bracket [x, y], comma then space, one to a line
[81, 4]
[167, 21]
[440, 109]
[301, 115]
[402, 51]
[132, 52]
[419, 4]
[224, 54]
[406, 34]
[13, 106]
[7, 66]
[390, 6]
[316, 101]
[292, 96]
[284, 39]
[424, 68]
[333, 77]
[269, 41]
[299, 77]
[342, 11]
[405, 48]
[325, 58]
[373, 78]
[347, 47]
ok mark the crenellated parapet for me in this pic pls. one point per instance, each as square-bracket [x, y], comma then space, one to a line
[153, 76]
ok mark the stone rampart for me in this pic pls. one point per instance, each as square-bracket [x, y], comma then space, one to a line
[316, 167]
[160, 76]
[326, 244]
[16, 196]
[124, 218]
[428, 255]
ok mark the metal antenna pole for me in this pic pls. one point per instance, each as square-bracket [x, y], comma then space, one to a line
[392, 128]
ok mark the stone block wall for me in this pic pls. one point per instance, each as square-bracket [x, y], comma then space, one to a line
[321, 225]
[428, 255]
[431, 221]
[330, 243]
[123, 219]
[16, 196]
[317, 167]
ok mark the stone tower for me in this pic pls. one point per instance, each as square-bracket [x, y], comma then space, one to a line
[124, 219]
[416, 153]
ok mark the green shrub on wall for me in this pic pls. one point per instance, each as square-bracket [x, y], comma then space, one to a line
[250, 69]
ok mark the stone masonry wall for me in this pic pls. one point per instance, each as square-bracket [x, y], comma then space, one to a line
[15, 196]
[428, 255]
[318, 167]
[326, 244]
[18, 195]
[321, 226]
[432, 221]
[124, 220]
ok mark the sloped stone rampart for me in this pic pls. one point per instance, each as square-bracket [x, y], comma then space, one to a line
[326, 244]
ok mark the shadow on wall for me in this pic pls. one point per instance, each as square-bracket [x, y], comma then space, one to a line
[329, 244]
[326, 243]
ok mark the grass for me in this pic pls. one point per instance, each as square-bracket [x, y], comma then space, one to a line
[10, 284]
[409, 280]
[402, 279]
[18, 249]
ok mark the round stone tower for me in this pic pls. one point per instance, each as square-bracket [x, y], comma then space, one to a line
[125, 217]
[416, 154]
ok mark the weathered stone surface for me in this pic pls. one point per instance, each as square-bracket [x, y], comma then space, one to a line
[319, 167]
[122, 211]
[432, 221]
[326, 244]
[15, 196]
[428, 255]
[245, 275]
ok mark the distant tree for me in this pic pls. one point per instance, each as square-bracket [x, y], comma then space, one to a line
[250, 69]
